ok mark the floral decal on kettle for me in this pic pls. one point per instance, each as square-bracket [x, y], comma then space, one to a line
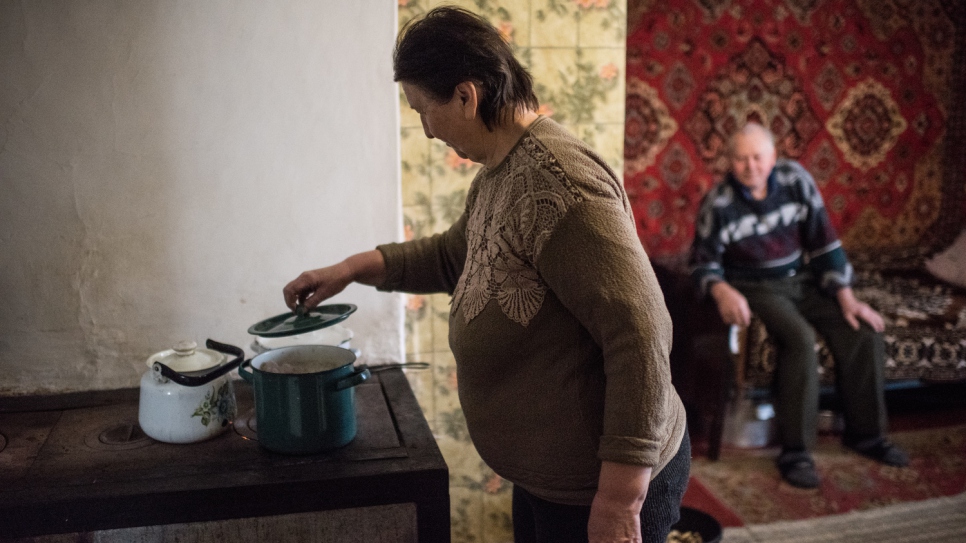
[219, 404]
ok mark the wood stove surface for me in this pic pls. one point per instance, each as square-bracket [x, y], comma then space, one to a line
[89, 468]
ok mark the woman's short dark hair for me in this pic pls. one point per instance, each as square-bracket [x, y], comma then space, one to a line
[450, 45]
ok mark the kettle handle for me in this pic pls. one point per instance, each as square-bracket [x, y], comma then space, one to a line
[198, 380]
[225, 349]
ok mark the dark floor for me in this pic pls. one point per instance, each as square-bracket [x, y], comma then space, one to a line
[927, 407]
[909, 408]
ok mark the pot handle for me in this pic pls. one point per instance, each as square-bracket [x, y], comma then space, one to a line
[359, 376]
[245, 373]
[193, 380]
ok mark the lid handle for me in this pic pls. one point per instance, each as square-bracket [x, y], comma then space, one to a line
[185, 348]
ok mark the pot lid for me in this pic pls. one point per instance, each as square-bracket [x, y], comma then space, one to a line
[300, 322]
[187, 357]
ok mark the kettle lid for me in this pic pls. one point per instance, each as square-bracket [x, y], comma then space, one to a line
[186, 357]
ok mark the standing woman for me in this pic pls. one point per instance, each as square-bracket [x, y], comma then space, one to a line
[557, 324]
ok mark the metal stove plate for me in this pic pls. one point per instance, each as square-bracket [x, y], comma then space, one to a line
[71, 457]
[25, 434]
[246, 425]
[118, 436]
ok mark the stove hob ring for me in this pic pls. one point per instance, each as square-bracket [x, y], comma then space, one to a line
[246, 425]
[3, 442]
[118, 436]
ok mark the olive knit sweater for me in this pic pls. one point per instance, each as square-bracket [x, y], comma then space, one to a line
[558, 325]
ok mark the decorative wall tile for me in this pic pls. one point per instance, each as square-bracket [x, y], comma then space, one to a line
[423, 384]
[513, 19]
[602, 82]
[445, 397]
[418, 324]
[577, 86]
[553, 24]
[603, 23]
[415, 157]
[467, 515]
[440, 308]
[497, 518]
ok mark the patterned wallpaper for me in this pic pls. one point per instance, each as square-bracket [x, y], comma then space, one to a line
[575, 50]
[866, 94]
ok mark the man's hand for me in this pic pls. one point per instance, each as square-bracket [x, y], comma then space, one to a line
[853, 310]
[732, 305]
[615, 514]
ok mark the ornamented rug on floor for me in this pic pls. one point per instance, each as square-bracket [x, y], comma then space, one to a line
[748, 482]
[939, 520]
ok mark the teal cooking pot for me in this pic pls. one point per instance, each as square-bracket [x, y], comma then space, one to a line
[304, 397]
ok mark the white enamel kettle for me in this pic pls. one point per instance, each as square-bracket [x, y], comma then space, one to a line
[186, 394]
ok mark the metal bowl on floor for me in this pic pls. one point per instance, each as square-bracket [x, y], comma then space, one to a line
[696, 521]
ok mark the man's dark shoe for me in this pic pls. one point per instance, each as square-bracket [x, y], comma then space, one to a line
[798, 468]
[882, 450]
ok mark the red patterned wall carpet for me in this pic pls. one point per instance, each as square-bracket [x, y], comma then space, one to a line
[870, 96]
[867, 94]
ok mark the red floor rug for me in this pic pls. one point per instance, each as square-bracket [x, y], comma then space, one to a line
[699, 497]
[746, 482]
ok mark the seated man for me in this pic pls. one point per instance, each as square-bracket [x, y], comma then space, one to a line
[764, 244]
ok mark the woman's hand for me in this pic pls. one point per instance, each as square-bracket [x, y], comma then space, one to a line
[315, 286]
[612, 522]
[615, 514]
[312, 287]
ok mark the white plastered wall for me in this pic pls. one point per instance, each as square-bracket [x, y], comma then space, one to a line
[166, 167]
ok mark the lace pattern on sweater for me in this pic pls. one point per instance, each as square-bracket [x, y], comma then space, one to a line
[511, 214]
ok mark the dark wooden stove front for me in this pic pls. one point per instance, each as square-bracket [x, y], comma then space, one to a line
[58, 474]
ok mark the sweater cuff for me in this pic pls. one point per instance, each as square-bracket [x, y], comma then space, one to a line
[394, 257]
[629, 450]
[831, 281]
[707, 282]
[703, 276]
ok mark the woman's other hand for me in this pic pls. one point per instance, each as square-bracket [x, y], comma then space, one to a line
[313, 287]
[615, 514]
[612, 522]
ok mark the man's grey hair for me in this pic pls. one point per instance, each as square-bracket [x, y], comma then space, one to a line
[752, 129]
